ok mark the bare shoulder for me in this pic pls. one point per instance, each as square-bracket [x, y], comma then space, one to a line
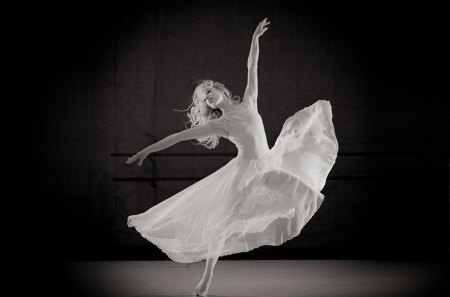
[249, 96]
[249, 104]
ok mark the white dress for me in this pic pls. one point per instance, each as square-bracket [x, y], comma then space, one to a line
[261, 197]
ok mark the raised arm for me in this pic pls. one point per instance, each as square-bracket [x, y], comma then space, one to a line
[251, 91]
[213, 127]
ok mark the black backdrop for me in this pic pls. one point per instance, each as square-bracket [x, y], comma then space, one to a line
[106, 77]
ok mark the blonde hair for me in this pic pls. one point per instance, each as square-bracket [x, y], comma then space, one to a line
[213, 113]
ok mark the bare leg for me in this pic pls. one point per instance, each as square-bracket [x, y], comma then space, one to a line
[210, 263]
[205, 282]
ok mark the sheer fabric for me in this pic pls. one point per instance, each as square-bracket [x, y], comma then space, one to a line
[261, 197]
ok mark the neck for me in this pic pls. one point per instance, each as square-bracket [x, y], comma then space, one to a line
[226, 107]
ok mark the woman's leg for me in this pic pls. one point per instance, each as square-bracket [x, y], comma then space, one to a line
[210, 263]
[214, 250]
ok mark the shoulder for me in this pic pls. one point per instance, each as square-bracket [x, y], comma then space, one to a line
[249, 100]
[250, 95]
[249, 105]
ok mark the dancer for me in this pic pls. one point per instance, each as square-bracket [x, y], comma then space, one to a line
[261, 197]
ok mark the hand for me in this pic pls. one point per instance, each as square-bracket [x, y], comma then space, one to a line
[141, 156]
[260, 29]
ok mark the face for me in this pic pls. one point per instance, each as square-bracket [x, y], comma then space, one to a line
[213, 98]
[203, 109]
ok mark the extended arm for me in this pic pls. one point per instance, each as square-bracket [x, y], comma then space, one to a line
[213, 127]
[251, 91]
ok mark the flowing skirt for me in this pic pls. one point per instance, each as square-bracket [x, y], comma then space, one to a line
[249, 203]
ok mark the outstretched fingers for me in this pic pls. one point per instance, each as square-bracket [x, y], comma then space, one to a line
[264, 22]
[131, 159]
[261, 28]
[135, 157]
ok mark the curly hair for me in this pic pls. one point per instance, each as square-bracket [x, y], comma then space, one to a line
[213, 113]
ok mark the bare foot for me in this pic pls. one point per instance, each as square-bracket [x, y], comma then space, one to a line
[202, 287]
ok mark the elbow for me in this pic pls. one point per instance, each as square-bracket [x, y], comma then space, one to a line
[252, 64]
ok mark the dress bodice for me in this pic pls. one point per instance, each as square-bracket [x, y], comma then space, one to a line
[245, 128]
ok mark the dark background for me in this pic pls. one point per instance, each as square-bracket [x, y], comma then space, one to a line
[106, 78]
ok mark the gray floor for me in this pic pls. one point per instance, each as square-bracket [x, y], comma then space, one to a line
[260, 278]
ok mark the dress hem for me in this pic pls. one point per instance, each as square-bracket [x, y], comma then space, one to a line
[226, 252]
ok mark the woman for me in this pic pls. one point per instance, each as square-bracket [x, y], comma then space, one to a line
[261, 197]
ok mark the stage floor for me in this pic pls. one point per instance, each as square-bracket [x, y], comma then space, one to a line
[307, 278]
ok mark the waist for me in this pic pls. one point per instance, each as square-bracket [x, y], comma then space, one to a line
[253, 155]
